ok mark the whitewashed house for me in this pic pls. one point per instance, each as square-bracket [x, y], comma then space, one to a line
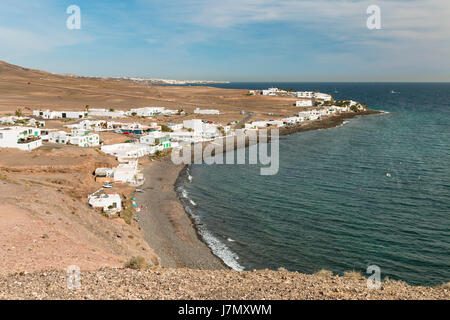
[79, 137]
[22, 121]
[194, 124]
[106, 113]
[58, 137]
[23, 138]
[169, 112]
[175, 126]
[47, 114]
[304, 103]
[272, 92]
[157, 138]
[84, 138]
[292, 120]
[322, 96]
[96, 125]
[124, 173]
[305, 94]
[187, 136]
[128, 150]
[146, 111]
[206, 111]
[259, 124]
[275, 123]
[109, 203]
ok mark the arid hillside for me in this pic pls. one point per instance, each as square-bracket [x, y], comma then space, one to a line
[32, 89]
[45, 220]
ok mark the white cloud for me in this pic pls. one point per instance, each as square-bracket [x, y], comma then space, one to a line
[18, 42]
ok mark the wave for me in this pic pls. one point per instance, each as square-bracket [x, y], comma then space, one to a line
[218, 248]
[188, 175]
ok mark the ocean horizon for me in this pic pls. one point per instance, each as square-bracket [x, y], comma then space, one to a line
[373, 191]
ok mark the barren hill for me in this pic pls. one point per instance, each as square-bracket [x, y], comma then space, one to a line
[31, 89]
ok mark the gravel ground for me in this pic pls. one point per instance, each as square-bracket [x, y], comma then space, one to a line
[161, 283]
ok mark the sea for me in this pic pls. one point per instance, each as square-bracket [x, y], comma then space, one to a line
[374, 191]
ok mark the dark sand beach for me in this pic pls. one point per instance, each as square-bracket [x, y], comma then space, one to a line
[167, 227]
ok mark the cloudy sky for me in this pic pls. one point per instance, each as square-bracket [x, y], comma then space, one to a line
[237, 40]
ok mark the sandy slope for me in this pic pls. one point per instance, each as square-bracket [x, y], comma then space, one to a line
[45, 221]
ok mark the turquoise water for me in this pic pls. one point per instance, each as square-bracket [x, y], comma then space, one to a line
[375, 190]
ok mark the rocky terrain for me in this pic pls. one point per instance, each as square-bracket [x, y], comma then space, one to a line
[160, 283]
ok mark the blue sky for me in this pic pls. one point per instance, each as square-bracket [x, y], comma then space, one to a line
[236, 40]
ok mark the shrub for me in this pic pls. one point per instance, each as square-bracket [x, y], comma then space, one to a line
[323, 273]
[137, 263]
[353, 275]
[165, 128]
[354, 108]
[127, 213]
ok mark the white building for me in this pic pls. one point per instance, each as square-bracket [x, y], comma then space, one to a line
[208, 131]
[128, 150]
[23, 138]
[206, 111]
[83, 138]
[322, 96]
[304, 103]
[168, 112]
[194, 124]
[292, 120]
[22, 121]
[79, 137]
[106, 113]
[276, 123]
[110, 203]
[47, 114]
[256, 124]
[157, 138]
[187, 136]
[58, 137]
[96, 125]
[305, 94]
[272, 92]
[175, 126]
[146, 111]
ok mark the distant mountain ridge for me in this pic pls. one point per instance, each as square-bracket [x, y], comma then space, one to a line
[7, 69]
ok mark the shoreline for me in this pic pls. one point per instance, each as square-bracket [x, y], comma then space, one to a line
[171, 231]
[167, 227]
